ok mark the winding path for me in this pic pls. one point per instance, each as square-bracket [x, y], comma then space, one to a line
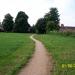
[40, 63]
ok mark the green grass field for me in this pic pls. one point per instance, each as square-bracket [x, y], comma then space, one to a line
[62, 49]
[15, 50]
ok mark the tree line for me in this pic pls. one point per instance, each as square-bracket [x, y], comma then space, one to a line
[20, 24]
[50, 22]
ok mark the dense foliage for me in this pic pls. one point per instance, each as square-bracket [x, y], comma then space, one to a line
[52, 16]
[21, 23]
[8, 23]
[50, 26]
[33, 29]
[50, 22]
[41, 26]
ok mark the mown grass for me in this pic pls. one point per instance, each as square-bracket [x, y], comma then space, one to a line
[62, 49]
[15, 50]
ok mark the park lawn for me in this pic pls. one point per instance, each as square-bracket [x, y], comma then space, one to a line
[62, 49]
[15, 50]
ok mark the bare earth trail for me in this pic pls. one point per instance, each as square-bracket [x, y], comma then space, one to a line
[40, 63]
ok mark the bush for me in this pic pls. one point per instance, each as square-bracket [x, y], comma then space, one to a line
[67, 33]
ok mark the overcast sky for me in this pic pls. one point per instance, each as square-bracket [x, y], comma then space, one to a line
[36, 9]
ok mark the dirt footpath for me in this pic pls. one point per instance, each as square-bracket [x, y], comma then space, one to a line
[40, 63]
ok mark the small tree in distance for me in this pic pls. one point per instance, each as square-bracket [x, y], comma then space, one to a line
[8, 23]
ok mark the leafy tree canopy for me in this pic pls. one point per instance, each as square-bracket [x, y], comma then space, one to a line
[53, 16]
[41, 25]
[8, 23]
[21, 22]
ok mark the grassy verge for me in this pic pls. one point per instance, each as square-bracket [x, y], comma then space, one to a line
[63, 52]
[15, 50]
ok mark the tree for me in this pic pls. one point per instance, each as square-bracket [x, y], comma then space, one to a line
[33, 29]
[53, 15]
[50, 26]
[1, 27]
[8, 23]
[41, 25]
[21, 23]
